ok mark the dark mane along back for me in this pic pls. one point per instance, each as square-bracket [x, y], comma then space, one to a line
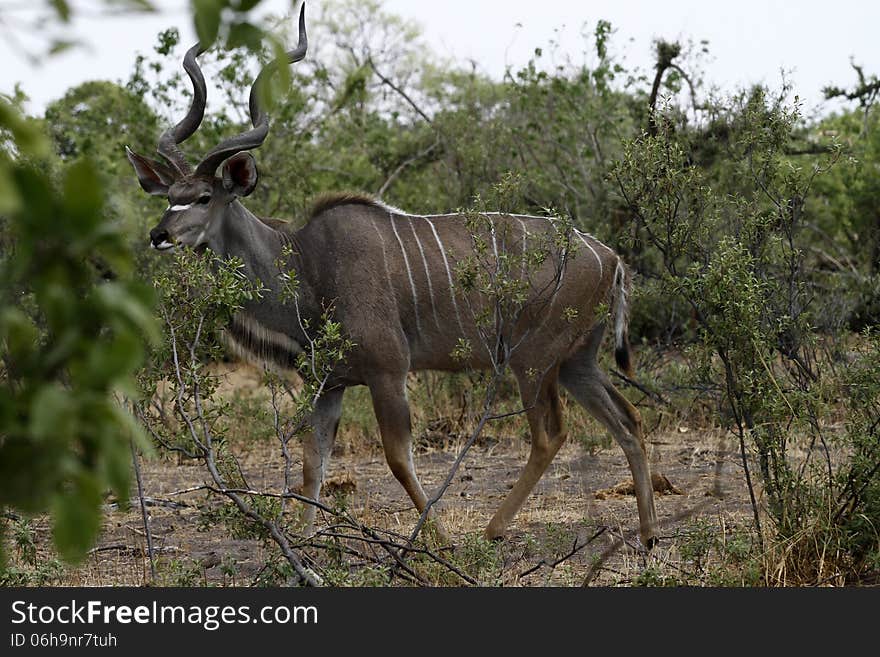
[331, 200]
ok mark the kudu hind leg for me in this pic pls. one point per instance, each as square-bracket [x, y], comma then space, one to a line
[317, 445]
[592, 390]
[393, 416]
[548, 434]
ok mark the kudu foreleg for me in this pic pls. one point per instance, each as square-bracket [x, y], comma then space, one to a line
[317, 445]
[393, 416]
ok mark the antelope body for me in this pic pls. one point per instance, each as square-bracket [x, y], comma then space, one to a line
[390, 278]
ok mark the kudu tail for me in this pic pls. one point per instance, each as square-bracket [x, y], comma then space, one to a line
[620, 291]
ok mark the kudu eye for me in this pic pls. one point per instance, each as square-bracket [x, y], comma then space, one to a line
[204, 199]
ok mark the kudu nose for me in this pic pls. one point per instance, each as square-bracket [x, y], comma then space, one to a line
[159, 236]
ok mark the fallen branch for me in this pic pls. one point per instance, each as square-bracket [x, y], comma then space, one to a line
[108, 548]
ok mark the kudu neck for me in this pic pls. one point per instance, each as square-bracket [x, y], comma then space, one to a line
[261, 248]
[268, 255]
[244, 236]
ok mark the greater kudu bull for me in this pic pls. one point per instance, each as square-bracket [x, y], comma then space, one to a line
[390, 278]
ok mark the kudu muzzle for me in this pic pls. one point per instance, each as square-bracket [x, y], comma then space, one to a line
[160, 238]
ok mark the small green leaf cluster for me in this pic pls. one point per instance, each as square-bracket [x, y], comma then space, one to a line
[197, 295]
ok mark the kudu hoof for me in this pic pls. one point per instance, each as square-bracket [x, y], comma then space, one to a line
[494, 534]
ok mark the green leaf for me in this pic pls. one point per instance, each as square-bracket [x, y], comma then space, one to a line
[62, 9]
[130, 431]
[62, 45]
[279, 81]
[244, 5]
[10, 198]
[29, 474]
[207, 19]
[111, 441]
[120, 300]
[77, 516]
[134, 5]
[52, 415]
[117, 463]
[19, 333]
[83, 193]
[112, 360]
[41, 209]
[244, 34]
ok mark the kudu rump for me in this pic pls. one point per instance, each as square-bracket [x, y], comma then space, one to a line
[390, 278]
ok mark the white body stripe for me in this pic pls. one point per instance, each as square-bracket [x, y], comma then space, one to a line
[597, 241]
[384, 256]
[500, 214]
[563, 264]
[590, 247]
[448, 274]
[513, 214]
[547, 314]
[525, 236]
[412, 283]
[391, 209]
[494, 241]
[427, 272]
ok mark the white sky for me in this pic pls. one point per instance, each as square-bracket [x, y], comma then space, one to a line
[749, 40]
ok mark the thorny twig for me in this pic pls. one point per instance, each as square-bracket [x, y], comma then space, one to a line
[144, 515]
[368, 535]
[575, 548]
[208, 453]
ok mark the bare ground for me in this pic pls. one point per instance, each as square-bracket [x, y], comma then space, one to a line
[582, 494]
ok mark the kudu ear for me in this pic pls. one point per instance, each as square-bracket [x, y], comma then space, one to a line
[155, 178]
[240, 174]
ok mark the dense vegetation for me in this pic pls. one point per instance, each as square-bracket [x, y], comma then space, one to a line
[754, 235]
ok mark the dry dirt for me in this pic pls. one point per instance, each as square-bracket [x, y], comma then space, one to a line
[580, 492]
